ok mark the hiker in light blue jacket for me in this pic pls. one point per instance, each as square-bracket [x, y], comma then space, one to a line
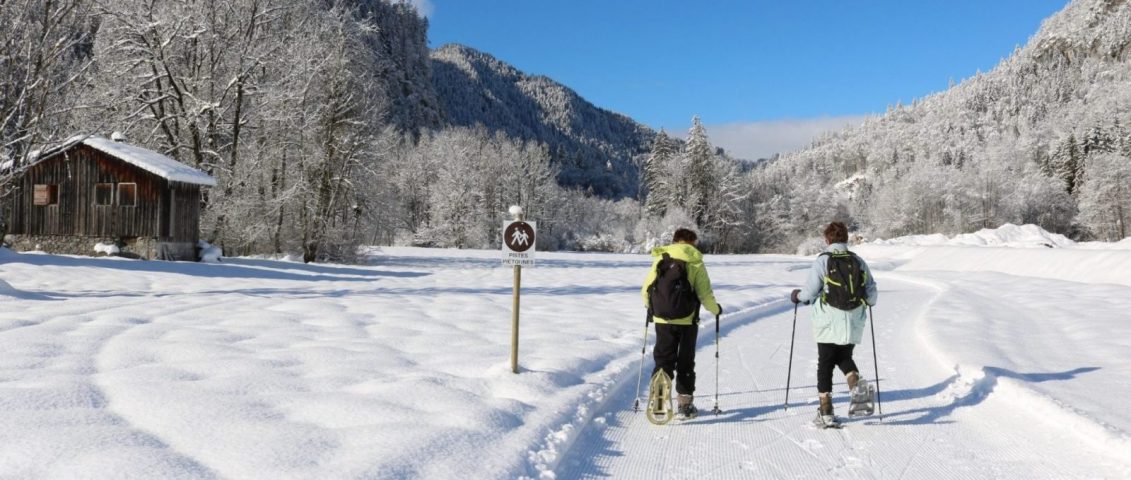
[841, 288]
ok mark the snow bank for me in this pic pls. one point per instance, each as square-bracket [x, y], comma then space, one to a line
[1124, 244]
[107, 248]
[1008, 235]
[915, 240]
[209, 253]
[1026, 250]
[6, 289]
[1077, 265]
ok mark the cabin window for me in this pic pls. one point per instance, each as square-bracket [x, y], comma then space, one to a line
[127, 194]
[46, 194]
[103, 193]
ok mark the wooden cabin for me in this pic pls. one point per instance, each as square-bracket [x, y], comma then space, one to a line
[93, 190]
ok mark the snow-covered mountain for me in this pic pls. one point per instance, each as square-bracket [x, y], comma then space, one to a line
[593, 147]
[1041, 139]
[401, 38]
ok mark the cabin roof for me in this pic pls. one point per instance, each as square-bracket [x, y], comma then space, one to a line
[145, 159]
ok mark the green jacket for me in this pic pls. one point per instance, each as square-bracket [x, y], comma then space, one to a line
[696, 274]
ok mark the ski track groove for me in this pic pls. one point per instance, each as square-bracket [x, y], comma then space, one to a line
[83, 311]
[915, 415]
[153, 317]
[745, 315]
[77, 321]
[911, 460]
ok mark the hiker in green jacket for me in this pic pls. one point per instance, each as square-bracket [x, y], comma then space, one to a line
[676, 286]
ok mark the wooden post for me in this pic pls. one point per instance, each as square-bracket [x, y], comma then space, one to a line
[514, 318]
[514, 309]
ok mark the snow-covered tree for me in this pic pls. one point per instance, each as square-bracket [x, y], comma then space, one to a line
[725, 219]
[655, 180]
[44, 57]
[1041, 200]
[970, 156]
[477, 177]
[44, 62]
[700, 178]
[1105, 199]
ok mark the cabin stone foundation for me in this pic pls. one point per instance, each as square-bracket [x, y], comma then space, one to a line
[147, 248]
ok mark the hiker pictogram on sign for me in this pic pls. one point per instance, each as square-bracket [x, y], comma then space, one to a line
[519, 236]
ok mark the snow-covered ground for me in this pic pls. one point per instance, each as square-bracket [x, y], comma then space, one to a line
[995, 362]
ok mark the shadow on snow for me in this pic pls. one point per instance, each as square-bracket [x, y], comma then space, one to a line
[978, 391]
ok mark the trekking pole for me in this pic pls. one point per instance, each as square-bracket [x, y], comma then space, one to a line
[789, 370]
[716, 410]
[639, 373]
[875, 362]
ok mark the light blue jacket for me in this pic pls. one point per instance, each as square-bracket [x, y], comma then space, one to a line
[830, 324]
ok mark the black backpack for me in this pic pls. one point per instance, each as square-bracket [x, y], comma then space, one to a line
[671, 294]
[844, 282]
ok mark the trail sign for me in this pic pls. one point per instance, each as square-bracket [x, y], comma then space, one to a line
[518, 250]
[518, 243]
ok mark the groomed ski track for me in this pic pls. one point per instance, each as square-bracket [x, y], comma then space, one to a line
[940, 420]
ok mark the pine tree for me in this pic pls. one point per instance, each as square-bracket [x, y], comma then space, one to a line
[655, 175]
[1097, 140]
[1067, 163]
[700, 179]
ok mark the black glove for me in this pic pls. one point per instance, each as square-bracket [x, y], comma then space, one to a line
[720, 310]
[793, 296]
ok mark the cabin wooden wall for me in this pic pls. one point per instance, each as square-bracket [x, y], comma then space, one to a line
[185, 213]
[76, 172]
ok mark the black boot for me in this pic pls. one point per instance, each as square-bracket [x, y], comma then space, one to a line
[686, 407]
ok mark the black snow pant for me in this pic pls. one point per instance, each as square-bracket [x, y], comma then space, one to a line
[828, 356]
[675, 351]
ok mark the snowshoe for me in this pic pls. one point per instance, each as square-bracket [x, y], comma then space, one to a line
[826, 421]
[826, 417]
[863, 399]
[660, 410]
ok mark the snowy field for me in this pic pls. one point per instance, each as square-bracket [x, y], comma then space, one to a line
[1004, 355]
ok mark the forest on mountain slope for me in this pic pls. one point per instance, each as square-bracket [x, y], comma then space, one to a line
[331, 124]
[1042, 138]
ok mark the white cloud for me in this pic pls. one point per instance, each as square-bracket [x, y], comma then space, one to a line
[756, 140]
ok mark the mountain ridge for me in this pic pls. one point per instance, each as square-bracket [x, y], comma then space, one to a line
[593, 147]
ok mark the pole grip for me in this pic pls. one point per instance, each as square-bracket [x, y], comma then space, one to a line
[647, 320]
[718, 318]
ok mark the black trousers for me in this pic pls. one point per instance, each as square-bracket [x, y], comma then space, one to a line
[675, 351]
[828, 356]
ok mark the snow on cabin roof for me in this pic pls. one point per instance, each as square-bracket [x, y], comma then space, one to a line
[142, 158]
[150, 161]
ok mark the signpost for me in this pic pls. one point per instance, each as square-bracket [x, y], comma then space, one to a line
[518, 250]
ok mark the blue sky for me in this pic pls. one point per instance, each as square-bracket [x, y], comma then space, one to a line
[763, 75]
